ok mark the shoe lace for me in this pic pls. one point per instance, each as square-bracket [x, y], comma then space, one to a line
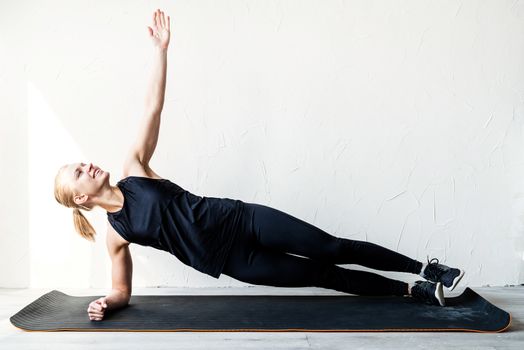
[432, 273]
[431, 261]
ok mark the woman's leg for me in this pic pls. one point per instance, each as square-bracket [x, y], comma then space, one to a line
[280, 231]
[252, 263]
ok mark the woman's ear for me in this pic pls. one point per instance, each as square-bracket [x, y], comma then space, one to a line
[80, 199]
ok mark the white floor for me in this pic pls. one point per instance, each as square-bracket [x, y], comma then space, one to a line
[510, 299]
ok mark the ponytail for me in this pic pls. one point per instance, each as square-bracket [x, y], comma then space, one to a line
[82, 225]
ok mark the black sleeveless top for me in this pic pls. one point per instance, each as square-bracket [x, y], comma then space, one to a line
[157, 213]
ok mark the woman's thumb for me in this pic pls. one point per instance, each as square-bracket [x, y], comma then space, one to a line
[102, 301]
[150, 31]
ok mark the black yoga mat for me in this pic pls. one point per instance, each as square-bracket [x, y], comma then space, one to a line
[468, 312]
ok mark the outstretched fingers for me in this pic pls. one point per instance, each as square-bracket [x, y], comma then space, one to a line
[159, 20]
[154, 20]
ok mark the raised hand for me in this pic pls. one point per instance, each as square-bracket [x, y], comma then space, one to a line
[159, 33]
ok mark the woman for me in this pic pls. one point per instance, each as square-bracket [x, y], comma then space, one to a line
[246, 241]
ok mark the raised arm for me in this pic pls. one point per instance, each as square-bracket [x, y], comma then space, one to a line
[145, 144]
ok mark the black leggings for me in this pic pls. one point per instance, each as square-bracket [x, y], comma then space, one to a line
[259, 256]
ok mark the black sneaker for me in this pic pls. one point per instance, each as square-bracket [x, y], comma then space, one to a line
[436, 272]
[428, 292]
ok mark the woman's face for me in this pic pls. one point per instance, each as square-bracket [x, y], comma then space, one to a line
[85, 178]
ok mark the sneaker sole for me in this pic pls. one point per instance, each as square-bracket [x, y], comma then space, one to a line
[439, 294]
[456, 280]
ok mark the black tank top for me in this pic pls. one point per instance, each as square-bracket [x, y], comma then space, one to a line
[157, 213]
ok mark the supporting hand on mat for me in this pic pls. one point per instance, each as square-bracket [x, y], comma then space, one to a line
[97, 308]
[159, 33]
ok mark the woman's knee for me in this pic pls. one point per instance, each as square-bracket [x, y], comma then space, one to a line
[276, 269]
[331, 250]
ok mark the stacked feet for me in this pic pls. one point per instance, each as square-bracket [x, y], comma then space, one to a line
[437, 276]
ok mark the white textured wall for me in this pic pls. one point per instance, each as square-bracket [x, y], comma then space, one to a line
[397, 122]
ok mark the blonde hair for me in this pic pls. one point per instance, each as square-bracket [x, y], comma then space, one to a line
[64, 195]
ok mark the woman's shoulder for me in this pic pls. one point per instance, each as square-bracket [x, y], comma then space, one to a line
[136, 169]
